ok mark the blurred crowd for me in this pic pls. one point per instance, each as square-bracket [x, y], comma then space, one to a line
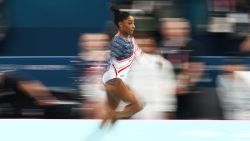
[171, 79]
[174, 35]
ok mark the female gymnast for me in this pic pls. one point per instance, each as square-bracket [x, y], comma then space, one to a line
[123, 52]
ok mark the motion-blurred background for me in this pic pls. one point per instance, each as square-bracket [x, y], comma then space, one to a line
[196, 58]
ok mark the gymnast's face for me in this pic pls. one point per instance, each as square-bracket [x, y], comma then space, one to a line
[127, 26]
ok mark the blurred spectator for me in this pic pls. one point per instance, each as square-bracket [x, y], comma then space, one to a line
[233, 90]
[93, 52]
[93, 47]
[176, 44]
[193, 100]
[170, 8]
[186, 89]
[228, 22]
[245, 47]
[225, 6]
[24, 96]
[153, 81]
[242, 6]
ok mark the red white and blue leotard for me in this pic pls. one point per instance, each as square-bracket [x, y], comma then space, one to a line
[120, 68]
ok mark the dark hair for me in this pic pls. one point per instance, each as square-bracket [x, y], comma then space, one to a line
[119, 16]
